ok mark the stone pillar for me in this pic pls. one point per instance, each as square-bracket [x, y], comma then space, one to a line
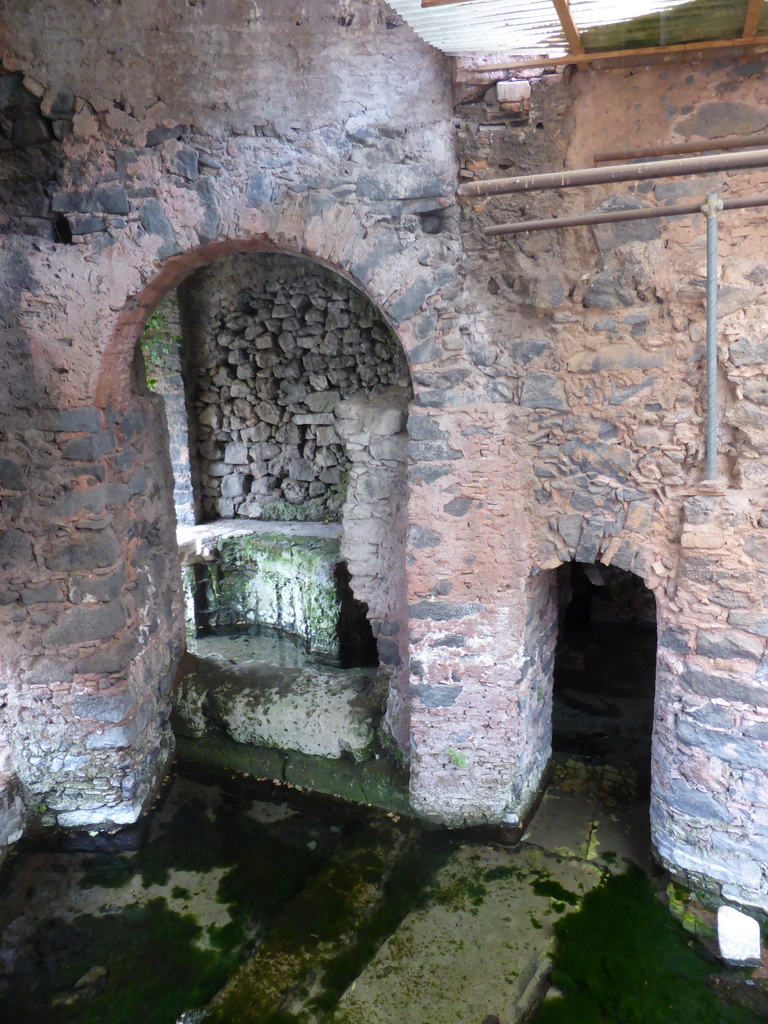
[709, 797]
[372, 428]
[91, 612]
[472, 692]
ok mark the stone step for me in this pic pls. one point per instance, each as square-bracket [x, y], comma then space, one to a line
[480, 949]
[312, 710]
[327, 934]
[376, 782]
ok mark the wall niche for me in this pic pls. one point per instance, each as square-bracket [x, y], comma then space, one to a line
[271, 345]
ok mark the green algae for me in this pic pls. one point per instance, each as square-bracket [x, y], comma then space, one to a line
[154, 969]
[331, 931]
[407, 886]
[269, 579]
[503, 871]
[623, 959]
[459, 893]
[160, 961]
[324, 509]
[107, 871]
[376, 782]
[327, 912]
[260, 876]
[549, 887]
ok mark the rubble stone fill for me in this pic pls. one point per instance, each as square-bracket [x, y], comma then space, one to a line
[273, 344]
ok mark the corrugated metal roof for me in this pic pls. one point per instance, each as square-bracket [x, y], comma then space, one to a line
[532, 27]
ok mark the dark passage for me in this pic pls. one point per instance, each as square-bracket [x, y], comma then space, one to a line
[605, 667]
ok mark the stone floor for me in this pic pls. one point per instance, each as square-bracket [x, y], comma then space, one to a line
[477, 947]
[379, 921]
[488, 957]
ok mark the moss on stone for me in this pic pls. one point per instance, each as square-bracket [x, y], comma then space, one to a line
[623, 959]
[335, 926]
[272, 580]
[154, 969]
[376, 781]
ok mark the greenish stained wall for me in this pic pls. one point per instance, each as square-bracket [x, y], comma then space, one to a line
[274, 581]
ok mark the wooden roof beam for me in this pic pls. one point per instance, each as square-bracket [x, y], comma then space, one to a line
[752, 19]
[563, 9]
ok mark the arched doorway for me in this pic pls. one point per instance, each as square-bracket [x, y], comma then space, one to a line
[286, 397]
[591, 679]
[604, 668]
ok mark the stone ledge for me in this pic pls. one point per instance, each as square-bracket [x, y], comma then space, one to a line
[198, 543]
[376, 781]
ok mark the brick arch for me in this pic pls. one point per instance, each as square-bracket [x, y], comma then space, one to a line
[382, 591]
[366, 262]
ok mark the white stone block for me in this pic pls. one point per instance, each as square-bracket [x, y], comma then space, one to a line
[738, 937]
[512, 92]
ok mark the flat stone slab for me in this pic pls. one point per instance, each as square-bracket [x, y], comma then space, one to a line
[593, 812]
[199, 543]
[480, 949]
[738, 937]
[323, 712]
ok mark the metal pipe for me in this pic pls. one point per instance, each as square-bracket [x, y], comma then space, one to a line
[707, 146]
[617, 172]
[711, 209]
[616, 216]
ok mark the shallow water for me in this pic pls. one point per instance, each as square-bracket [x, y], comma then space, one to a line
[127, 936]
[353, 916]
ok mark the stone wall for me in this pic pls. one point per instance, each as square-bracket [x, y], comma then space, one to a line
[88, 655]
[604, 366]
[161, 343]
[166, 166]
[558, 396]
[272, 345]
[32, 126]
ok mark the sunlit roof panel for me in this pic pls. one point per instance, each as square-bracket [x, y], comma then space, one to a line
[523, 26]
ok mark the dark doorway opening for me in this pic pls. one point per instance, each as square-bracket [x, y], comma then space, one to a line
[605, 666]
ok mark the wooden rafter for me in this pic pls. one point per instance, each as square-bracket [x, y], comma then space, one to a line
[563, 9]
[752, 19]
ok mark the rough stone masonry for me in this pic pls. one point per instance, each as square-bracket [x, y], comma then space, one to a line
[556, 410]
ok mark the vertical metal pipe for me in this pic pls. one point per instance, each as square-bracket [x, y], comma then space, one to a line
[711, 209]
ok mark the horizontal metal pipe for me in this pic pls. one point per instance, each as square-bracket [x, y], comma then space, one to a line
[705, 146]
[617, 172]
[613, 217]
